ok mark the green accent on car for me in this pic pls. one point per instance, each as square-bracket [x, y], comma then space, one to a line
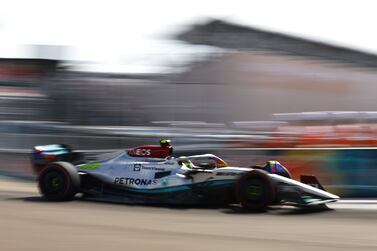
[90, 166]
[309, 199]
[165, 182]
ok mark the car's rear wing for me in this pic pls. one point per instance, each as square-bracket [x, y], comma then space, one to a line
[42, 155]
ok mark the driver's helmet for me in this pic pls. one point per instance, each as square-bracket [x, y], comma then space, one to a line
[274, 166]
[165, 142]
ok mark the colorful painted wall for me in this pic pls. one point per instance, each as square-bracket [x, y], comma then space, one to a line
[346, 172]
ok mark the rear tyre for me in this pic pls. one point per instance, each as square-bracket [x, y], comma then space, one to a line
[59, 181]
[255, 191]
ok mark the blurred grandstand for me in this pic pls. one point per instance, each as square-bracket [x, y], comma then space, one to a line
[262, 90]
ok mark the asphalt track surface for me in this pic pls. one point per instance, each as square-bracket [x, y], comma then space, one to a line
[27, 222]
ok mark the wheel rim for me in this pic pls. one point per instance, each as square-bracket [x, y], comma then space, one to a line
[254, 191]
[54, 182]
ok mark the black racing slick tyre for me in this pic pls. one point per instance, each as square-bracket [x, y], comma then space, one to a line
[255, 191]
[59, 181]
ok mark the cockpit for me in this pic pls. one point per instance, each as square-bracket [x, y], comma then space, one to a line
[203, 161]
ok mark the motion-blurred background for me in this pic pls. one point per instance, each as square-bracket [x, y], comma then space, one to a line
[249, 82]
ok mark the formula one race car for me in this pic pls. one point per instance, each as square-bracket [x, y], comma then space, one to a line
[149, 174]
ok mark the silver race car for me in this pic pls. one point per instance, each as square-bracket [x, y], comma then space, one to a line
[149, 174]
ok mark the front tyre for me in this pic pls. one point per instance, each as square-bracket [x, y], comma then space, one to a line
[255, 191]
[59, 181]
